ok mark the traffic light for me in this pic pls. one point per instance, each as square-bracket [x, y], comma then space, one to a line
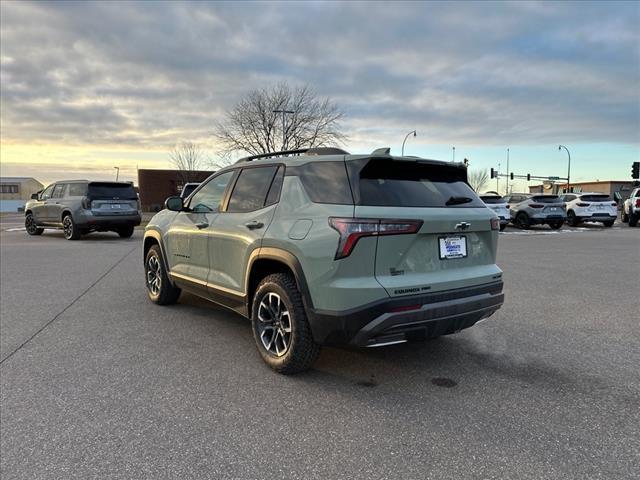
[493, 173]
[528, 177]
[635, 170]
[511, 175]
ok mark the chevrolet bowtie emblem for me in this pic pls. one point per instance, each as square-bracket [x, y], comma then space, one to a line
[462, 226]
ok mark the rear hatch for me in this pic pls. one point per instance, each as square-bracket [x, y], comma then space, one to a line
[550, 205]
[454, 242]
[112, 198]
[598, 205]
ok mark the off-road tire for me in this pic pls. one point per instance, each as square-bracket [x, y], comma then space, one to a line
[30, 225]
[302, 350]
[69, 228]
[167, 293]
[125, 232]
[556, 225]
[522, 221]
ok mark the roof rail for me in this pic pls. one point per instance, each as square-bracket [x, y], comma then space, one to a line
[298, 152]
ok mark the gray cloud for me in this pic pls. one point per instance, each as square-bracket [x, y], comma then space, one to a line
[150, 74]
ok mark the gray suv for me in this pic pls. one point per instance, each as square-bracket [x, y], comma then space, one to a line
[527, 210]
[321, 247]
[79, 207]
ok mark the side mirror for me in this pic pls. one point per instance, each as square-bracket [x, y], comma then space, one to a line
[34, 196]
[174, 204]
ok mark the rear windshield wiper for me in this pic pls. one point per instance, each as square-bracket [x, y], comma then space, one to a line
[458, 200]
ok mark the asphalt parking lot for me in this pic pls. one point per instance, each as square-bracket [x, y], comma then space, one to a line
[97, 382]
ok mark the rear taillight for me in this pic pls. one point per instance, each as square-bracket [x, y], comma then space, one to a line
[353, 229]
[495, 224]
[582, 204]
[536, 205]
[86, 203]
[637, 202]
[614, 204]
[508, 206]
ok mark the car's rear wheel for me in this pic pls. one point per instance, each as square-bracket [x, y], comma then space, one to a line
[572, 220]
[31, 226]
[71, 231]
[159, 288]
[522, 221]
[609, 224]
[624, 218]
[125, 232]
[280, 327]
[633, 219]
[556, 225]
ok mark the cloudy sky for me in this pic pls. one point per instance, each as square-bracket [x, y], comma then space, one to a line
[89, 86]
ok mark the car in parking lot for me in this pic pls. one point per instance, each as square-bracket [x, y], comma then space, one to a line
[498, 204]
[630, 212]
[527, 209]
[590, 207]
[79, 207]
[318, 246]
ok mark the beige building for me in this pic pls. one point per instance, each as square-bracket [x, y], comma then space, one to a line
[609, 187]
[15, 191]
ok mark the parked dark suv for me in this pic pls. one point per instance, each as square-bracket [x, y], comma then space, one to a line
[322, 247]
[80, 206]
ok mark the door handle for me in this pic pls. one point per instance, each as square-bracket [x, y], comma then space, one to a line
[202, 225]
[254, 225]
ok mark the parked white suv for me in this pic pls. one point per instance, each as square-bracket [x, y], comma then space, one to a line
[590, 207]
[631, 208]
[499, 205]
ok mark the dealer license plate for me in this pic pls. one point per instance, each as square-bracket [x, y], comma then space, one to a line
[453, 247]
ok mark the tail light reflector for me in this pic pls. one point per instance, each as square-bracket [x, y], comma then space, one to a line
[495, 224]
[86, 203]
[353, 229]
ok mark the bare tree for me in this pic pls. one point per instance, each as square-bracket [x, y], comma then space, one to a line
[254, 127]
[477, 179]
[188, 158]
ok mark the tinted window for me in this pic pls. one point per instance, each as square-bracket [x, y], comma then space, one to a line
[596, 198]
[325, 182]
[208, 198]
[250, 190]
[58, 191]
[492, 199]
[412, 184]
[108, 190]
[546, 198]
[274, 192]
[46, 193]
[77, 189]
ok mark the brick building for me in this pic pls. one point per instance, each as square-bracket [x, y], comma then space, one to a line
[155, 186]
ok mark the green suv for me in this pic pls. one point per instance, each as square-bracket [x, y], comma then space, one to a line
[320, 247]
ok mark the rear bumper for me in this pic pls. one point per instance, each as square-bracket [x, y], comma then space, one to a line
[108, 221]
[384, 322]
[540, 220]
[597, 218]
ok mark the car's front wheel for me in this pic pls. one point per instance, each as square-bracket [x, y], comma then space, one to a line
[280, 327]
[71, 231]
[159, 288]
[31, 226]
[125, 232]
[572, 220]
[556, 225]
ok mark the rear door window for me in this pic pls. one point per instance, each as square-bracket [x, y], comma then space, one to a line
[111, 191]
[412, 184]
[251, 188]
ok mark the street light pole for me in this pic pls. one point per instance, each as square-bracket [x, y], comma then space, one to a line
[117, 172]
[560, 147]
[507, 172]
[405, 139]
[284, 137]
[454, 154]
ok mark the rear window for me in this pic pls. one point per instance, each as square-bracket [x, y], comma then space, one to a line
[546, 198]
[106, 190]
[411, 184]
[492, 199]
[596, 198]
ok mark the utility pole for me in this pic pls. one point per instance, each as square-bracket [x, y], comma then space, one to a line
[507, 171]
[117, 172]
[498, 180]
[284, 136]
[454, 154]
